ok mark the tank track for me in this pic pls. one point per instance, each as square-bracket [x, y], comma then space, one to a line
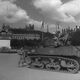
[53, 63]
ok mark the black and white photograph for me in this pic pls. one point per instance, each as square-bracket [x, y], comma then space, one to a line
[39, 39]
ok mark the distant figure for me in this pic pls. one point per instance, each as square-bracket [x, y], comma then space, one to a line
[21, 52]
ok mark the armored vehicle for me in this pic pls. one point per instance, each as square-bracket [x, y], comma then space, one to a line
[61, 59]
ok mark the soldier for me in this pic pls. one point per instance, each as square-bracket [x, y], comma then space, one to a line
[22, 57]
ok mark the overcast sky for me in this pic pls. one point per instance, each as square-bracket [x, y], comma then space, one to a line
[21, 12]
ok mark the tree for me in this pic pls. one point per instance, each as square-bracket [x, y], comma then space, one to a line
[75, 40]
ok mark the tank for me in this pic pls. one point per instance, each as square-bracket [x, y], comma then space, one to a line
[57, 55]
[59, 59]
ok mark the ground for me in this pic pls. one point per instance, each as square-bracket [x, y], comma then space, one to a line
[9, 71]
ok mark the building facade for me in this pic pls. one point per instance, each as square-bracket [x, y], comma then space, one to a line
[19, 37]
[22, 37]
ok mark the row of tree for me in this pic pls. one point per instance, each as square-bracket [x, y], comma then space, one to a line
[17, 44]
[75, 38]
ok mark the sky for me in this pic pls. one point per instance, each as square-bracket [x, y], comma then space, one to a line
[17, 13]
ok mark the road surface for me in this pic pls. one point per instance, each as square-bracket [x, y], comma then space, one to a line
[10, 71]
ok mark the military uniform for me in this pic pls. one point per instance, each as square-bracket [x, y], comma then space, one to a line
[22, 57]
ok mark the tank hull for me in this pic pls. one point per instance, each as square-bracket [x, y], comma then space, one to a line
[63, 59]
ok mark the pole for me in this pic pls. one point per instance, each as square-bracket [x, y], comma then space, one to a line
[42, 27]
[47, 28]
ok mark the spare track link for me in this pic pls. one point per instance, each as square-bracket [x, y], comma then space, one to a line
[60, 64]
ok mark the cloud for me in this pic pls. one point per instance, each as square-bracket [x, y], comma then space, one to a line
[9, 0]
[71, 8]
[10, 12]
[59, 11]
